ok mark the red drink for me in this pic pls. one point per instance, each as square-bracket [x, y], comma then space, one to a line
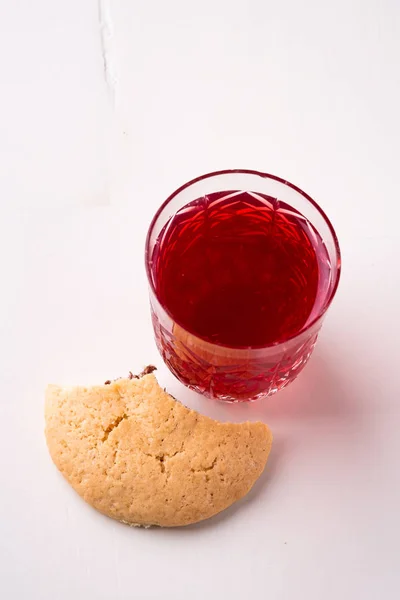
[240, 274]
[234, 271]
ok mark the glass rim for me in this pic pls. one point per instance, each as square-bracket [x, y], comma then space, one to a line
[263, 175]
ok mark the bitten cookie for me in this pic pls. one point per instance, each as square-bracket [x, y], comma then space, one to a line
[139, 456]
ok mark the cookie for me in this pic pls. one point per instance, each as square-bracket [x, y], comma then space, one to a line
[136, 454]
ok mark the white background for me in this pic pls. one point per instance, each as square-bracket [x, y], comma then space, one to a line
[107, 107]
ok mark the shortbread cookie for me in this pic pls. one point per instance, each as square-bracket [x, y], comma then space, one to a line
[138, 455]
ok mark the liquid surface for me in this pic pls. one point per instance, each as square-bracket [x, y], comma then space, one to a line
[238, 269]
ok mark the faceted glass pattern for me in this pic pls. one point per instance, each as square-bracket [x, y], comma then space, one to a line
[239, 374]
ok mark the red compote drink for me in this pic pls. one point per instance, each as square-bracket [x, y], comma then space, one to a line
[239, 274]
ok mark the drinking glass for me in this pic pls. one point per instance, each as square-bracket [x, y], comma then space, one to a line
[230, 373]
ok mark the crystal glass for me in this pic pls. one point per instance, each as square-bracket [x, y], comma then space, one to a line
[241, 373]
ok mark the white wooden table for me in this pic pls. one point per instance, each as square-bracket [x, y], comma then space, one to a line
[106, 107]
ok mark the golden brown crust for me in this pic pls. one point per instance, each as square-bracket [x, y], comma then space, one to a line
[139, 456]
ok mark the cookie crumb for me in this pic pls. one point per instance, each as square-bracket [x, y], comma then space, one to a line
[147, 370]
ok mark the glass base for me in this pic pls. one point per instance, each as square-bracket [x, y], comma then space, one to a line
[227, 374]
